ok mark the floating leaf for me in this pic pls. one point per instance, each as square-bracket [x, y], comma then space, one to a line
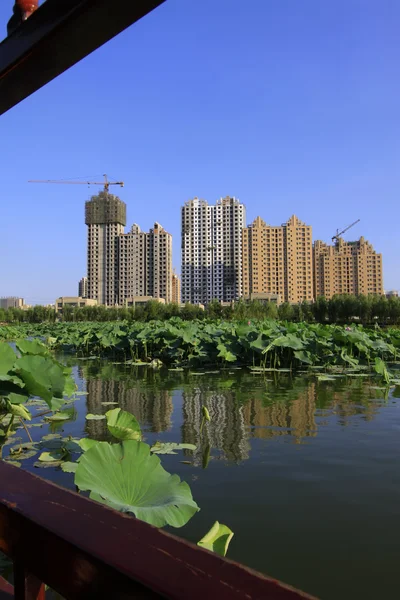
[54, 456]
[69, 467]
[129, 478]
[217, 539]
[59, 416]
[123, 425]
[169, 447]
[91, 417]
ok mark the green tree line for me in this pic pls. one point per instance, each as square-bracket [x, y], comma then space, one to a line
[339, 309]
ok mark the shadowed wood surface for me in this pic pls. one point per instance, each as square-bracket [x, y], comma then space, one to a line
[58, 35]
[83, 549]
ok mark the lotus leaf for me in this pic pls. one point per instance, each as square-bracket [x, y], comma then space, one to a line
[123, 425]
[217, 539]
[129, 478]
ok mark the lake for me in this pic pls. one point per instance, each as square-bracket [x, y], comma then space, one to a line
[305, 472]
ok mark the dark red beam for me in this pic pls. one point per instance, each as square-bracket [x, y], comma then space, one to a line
[57, 36]
[85, 550]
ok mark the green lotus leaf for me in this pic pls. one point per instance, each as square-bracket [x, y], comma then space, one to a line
[217, 539]
[91, 417]
[69, 467]
[59, 416]
[42, 376]
[7, 358]
[20, 411]
[170, 447]
[129, 478]
[32, 347]
[86, 443]
[123, 425]
[53, 456]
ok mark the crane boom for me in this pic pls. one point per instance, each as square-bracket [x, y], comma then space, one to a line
[339, 233]
[106, 183]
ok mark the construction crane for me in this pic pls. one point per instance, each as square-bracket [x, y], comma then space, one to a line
[339, 233]
[106, 183]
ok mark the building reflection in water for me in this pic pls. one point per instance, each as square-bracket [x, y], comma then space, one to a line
[248, 409]
[152, 408]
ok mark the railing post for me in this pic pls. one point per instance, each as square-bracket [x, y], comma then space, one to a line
[27, 586]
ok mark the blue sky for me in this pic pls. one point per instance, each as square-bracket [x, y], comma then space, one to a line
[291, 106]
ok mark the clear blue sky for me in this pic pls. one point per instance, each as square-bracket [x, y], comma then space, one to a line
[291, 106]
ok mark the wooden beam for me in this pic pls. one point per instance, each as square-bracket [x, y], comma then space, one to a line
[84, 550]
[58, 35]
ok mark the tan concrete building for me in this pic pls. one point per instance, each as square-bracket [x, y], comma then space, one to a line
[347, 268]
[145, 264]
[278, 260]
[176, 288]
[73, 302]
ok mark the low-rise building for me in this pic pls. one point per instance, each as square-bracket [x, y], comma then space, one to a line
[392, 294]
[140, 300]
[73, 302]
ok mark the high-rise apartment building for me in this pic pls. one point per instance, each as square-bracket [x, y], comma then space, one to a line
[83, 287]
[145, 264]
[105, 216]
[347, 268]
[212, 250]
[176, 288]
[278, 260]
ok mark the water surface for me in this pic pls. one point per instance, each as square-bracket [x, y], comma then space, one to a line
[305, 472]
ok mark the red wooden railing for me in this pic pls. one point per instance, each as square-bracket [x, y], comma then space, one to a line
[84, 550]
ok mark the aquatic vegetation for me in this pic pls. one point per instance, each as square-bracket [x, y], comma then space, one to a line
[200, 343]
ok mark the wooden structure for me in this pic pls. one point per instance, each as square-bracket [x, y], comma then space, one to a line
[58, 35]
[84, 550]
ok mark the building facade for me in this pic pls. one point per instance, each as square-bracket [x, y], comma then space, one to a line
[176, 288]
[211, 245]
[347, 268]
[105, 216]
[145, 264]
[83, 287]
[72, 302]
[11, 302]
[278, 260]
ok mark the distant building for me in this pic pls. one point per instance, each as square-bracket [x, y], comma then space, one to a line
[11, 302]
[392, 294]
[347, 268]
[145, 264]
[73, 302]
[141, 300]
[176, 289]
[212, 250]
[277, 260]
[264, 298]
[105, 216]
[83, 288]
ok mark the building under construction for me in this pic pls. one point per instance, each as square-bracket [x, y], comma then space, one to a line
[347, 268]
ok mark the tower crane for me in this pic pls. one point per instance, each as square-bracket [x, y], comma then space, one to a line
[339, 233]
[106, 183]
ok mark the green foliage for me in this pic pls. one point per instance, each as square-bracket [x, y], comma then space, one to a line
[202, 343]
[123, 425]
[129, 478]
[217, 539]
